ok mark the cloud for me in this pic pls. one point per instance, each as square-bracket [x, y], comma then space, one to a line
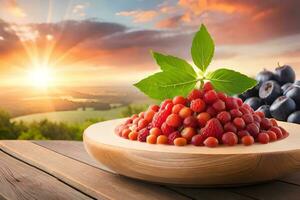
[13, 7]
[139, 16]
[79, 9]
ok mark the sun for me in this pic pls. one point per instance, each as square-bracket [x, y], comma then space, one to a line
[40, 77]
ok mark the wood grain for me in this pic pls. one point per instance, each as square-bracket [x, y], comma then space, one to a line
[21, 181]
[88, 179]
[222, 166]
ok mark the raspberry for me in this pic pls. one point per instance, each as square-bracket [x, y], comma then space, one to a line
[185, 112]
[207, 86]
[197, 105]
[198, 140]
[243, 133]
[272, 135]
[210, 110]
[239, 123]
[155, 108]
[213, 128]
[143, 135]
[261, 114]
[222, 96]
[229, 139]
[230, 127]
[210, 96]
[273, 122]
[277, 131]
[165, 103]
[263, 138]
[247, 140]
[195, 94]
[256, 118]
[235, 113]
[176, 108]
[179, 100]
[166, 129]
[253, 129]
[224, 117]
[231, 103]
[174, 120]
[265, 124]
[142, 124]
[190, 121]
[244, 110]
[203, 119]
[248, 118]
[219, 105]
[173, 136]
[246, 106]
[211, 142]
[149, 114]
[239, 101]
[284, 132]
[161, 116]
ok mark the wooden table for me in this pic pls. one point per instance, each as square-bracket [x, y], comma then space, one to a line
[63, 170]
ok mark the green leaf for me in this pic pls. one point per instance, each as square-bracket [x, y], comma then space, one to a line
[167, 84]
[167, 62]
[202, 49]
[230, 82]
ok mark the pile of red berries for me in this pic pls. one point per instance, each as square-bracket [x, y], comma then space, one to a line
[205, 117]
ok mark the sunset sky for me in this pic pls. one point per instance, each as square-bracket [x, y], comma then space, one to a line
[101, 42]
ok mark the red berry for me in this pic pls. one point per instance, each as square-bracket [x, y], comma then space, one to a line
[203, 119]
[198, 140]
[246, 106]
[261, 114]
[211, 111]
[273, 122]
[197, 105]
[265, 124]
[165, 103]
[210, 97]
[253, 129]
[230, 139]
[155, 108]
[239, 123]
[188, 133]
[231, 103]
[180, 141]
[134, 116]
[155, 131]
[247, 140]
[213, 128]
[161, 116]
[125, 133]
[222, 96]
[141, 114]
[277, 131]
[149, 114]
[230, 127]
[185, 112]
[195, 94]
[190, 121]
[272, 135]
[248, 118]
[128, 121]
[224, 117]
[179, 100]
[239, 101]
[211, 142]
[263, 138]
[244, 110]
[284, 132]
[173, 136]
[243, 133]
[174, 120]
[235, 113]
[219, 105]
[176, 108]
[166, 129]
[143, 135]
[256, 118]
[207, 86]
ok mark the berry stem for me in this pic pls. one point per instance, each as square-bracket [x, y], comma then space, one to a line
[201, 83]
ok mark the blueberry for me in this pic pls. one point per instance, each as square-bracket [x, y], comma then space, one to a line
[265, 109]
[285, 74]
[253, 92]
[294, 117]
[286, 86]
[254, 102]
[294, 93]
[282, 107]
[264, 76]
[269, 91]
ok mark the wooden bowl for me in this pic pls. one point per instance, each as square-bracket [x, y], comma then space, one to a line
[191, 165]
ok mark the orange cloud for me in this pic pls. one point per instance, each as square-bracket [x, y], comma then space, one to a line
[13, 7]
[139, 16]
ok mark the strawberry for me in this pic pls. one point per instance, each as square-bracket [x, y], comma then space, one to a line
[161, 116]
[213, 128]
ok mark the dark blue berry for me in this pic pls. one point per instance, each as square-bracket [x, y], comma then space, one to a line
[285, 74]
[294, 117]
[282, 107]
[265, 109]
[254, 102]
[269, 91]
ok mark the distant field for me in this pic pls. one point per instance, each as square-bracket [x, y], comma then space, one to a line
[72, 116]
